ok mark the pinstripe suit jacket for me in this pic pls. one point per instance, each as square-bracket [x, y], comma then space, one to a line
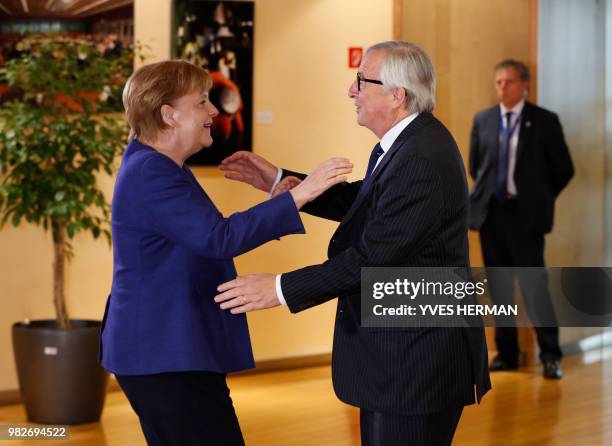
[412, 212]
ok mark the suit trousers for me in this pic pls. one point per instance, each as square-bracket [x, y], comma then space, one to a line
[507, 243]
[384, 429]
[183, 408]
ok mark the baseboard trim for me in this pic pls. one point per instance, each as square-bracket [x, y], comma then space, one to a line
[10, 397]
[296, 362]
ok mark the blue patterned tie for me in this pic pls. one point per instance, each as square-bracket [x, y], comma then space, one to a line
[376, 152]
[501, 192]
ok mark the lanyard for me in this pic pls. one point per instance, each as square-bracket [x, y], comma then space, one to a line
[502, 130]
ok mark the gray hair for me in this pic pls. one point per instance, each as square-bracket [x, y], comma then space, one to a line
[407, 66]
[519, 66]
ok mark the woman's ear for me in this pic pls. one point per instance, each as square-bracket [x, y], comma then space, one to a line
[167, 114]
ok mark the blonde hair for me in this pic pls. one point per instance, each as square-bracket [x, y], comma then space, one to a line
[154, 85]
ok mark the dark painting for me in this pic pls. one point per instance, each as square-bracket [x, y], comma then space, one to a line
[218, 36]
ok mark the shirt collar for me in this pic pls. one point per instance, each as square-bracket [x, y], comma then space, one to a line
[389, 138]
[516, 110]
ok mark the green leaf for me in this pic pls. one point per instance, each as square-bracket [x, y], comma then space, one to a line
[62, 209]
[49, 154]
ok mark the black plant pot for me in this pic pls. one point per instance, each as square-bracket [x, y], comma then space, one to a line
[60, 378]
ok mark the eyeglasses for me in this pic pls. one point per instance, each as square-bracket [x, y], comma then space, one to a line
[363, 79]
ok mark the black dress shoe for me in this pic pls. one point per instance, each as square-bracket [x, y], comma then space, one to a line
[499, 365]
[552, 369]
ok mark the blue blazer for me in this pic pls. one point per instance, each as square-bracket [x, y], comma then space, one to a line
[171, 249]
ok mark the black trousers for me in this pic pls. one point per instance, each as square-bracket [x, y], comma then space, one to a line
[506, 243]
[383, 429]
[183, 408]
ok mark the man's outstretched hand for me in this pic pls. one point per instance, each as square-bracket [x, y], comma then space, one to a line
[248, 293]
[251, 169]
[286, 184]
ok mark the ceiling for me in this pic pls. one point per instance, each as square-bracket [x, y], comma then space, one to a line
[19, 9]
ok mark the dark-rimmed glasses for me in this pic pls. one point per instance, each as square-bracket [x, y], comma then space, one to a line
[361, 79]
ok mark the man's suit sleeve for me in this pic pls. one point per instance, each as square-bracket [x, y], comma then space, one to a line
[334, 203]
[182, 213]
[562, 168]
[407, 213]
[474, 160]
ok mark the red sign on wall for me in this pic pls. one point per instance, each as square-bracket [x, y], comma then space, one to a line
[354, 56]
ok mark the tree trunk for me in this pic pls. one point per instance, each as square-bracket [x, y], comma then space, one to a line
[59, 258]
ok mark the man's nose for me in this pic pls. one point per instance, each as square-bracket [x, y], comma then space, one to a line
[352, 91]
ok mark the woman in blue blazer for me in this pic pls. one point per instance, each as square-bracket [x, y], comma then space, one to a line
[163, 336]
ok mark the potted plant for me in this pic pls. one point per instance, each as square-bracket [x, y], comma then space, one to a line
[55, 137]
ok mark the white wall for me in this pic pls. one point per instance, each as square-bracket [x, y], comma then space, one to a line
[571, 82]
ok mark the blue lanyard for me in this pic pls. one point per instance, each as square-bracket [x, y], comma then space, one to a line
[502, 130]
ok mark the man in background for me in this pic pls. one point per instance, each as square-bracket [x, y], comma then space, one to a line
[520, 163]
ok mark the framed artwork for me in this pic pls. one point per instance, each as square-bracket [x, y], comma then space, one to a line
[218, 36]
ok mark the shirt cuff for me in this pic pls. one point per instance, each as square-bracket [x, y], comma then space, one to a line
[279, 175]
[279, 291]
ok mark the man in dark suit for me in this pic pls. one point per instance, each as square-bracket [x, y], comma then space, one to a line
[411, 384]
[520, 164]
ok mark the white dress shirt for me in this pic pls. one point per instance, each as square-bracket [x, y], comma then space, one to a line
[516, 113]
[385, 143]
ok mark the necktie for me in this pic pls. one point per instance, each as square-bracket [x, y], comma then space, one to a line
[501, 191]
[376, 152]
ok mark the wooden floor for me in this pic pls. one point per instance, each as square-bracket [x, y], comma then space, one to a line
[299, 408]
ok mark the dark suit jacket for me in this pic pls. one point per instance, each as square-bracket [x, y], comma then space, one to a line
[171, 249]
[543, 166]
[412, 212]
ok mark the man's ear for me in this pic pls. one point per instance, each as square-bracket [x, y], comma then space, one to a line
[400, 96]
[167, 114]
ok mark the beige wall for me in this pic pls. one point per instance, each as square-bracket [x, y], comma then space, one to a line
[465, 40]
[152, 28]
[301, 76]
